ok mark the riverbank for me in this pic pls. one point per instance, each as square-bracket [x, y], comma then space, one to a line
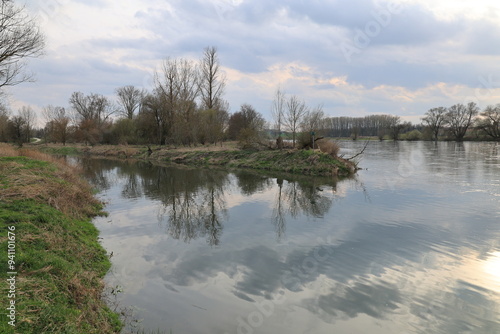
[305, 162]
[57, 263]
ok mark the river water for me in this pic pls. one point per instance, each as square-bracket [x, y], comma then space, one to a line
[410, 245]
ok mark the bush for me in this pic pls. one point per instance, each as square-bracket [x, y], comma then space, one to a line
[329, 147]
[249, 139]
[412, 135]
[304, 140]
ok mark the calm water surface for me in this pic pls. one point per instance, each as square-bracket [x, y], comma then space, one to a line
[411, 245]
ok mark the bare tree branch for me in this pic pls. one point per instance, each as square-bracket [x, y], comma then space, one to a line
[20, 38]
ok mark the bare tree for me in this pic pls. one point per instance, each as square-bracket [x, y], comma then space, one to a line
[213, 124]
[130, 99]
[92, 115]
[93, 107]
[178, 86]
[153, 108]
[17, 127]
[4, 122]
[188, 84]
[167, 92]
[212, 81]
[396, 127]
[295, 111]
[490, 121]
[20, 38]
[29, 117]
[278, 109]
[460, 117]
[278, 114]
[57, 124]
[313, 121]
[435, 119]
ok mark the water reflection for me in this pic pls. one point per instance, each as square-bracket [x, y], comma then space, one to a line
[411, 249]
[194, 201]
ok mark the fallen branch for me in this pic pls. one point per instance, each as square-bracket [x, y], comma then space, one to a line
[354, 156]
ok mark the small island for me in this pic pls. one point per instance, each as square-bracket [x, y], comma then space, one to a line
[323, 161]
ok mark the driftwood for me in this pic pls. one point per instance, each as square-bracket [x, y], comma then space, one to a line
[358, 154]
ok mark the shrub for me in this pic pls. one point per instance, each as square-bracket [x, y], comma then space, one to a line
[412, 135]
[329, 147]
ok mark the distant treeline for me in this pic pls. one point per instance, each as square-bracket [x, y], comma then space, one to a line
[368, 126]
[186, 107]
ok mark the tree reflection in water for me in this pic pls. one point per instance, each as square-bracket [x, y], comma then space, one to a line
[194, 203]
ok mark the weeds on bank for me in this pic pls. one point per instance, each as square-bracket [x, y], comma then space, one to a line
[59, 262]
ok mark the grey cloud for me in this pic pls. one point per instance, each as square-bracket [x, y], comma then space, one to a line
[483, 39]
[265, 273]
[375, 299]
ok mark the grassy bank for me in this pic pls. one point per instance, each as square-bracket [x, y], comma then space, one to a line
[59, 262]
[305, 162]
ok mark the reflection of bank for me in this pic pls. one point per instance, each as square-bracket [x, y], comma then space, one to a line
[308, 197]
[195, 202]
[200, 210]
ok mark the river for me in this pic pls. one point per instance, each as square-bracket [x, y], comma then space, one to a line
[410, 245]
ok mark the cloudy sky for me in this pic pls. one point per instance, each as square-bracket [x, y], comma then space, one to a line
[355, 57]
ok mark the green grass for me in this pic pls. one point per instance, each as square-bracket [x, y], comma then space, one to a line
[59, 261]
[305, 162]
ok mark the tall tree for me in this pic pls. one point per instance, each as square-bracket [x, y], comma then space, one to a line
[130, 99]
[167, 93]
[460, 117]
[396, 127]
[57, 126]
[278, 109]
[213, 124]
[153, 112]
[435, 119]
[188, 83]
[212, 81]
[313, 121]
[295, 111]
[17, 125]
[93, 115]
[4, 123]
[29, 117]
[246, 125]
[489, 122]
[278, 114]
[178, 87]
[20, 38]
[94, 107]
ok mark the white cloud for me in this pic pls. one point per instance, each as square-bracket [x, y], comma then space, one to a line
[431, 53]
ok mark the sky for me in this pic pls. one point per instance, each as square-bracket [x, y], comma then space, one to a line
[356, 57]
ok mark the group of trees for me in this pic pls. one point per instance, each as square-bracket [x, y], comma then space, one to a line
[177, 113]
[380, 126]
[456, 121]
[18, 128]
[186, 107]
[20, 39]
[290, 113]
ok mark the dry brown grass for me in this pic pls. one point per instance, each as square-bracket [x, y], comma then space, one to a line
[72, 196]
[329, 147]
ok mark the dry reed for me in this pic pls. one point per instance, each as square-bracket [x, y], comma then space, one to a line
[60, 187]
